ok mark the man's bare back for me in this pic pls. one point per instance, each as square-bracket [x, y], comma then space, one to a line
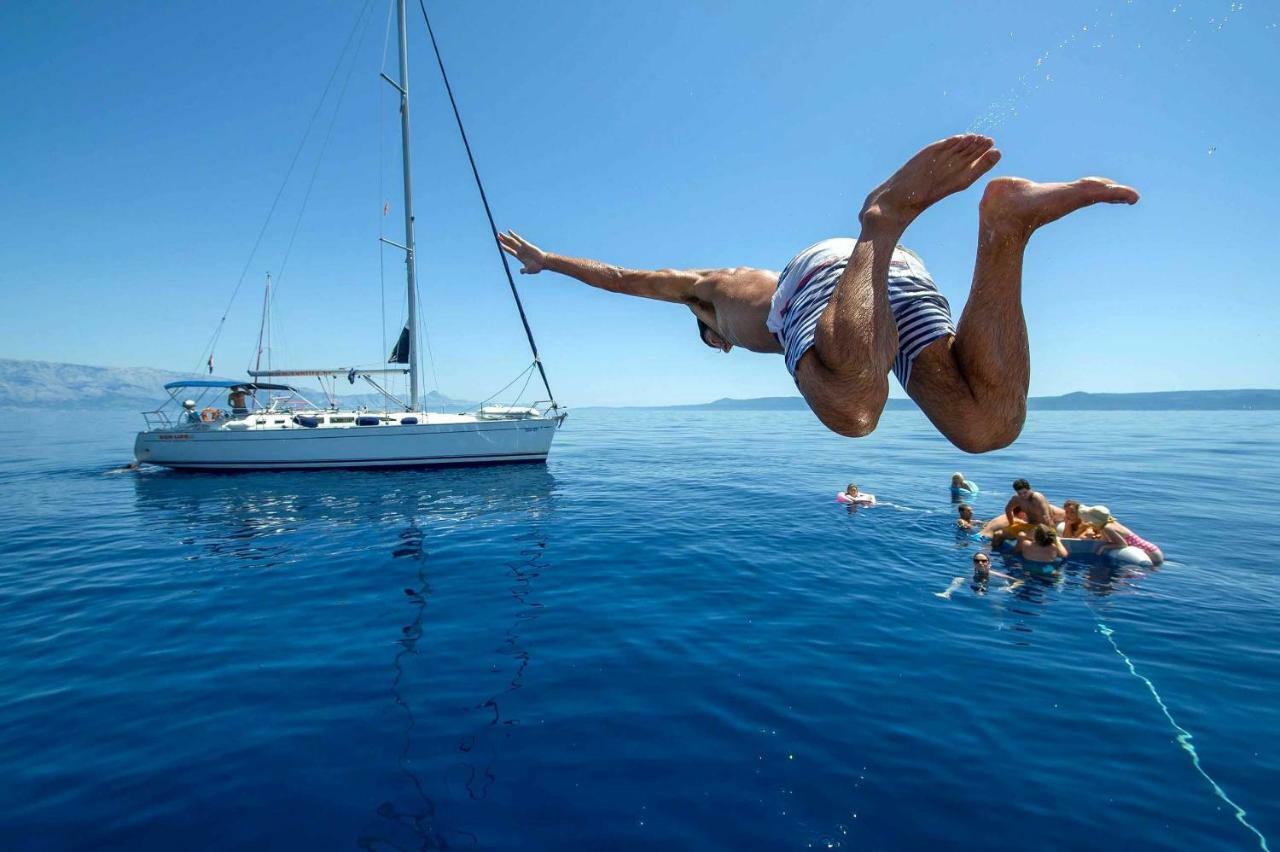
[970, 380]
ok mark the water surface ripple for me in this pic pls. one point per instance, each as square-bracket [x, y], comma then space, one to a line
[670, 636]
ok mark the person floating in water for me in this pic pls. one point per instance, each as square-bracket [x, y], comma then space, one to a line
[853, 496]
[965, 521]
[982, 574]
[1041, 551]
[962, 488]
[845, 312]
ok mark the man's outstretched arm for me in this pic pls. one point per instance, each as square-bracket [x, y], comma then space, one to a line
[668, 285]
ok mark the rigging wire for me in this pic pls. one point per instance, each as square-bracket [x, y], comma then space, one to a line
[527, 371]
[528, 377]
[475, 171]
[384, 204]
[324, 145]
[217, 333]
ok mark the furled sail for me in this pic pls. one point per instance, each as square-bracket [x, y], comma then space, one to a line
[400, 354]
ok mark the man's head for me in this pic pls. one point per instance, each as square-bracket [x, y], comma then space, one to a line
[1022, 488]
[1045, 535]
[712, 338]
[966, 512]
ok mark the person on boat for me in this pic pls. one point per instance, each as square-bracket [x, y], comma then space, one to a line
[961, 487]
[999, 522]
[1072, 525]
[844, 313]
[1034, 507]
[1041, 551]
[1116, 535]
[189, 409]
[236, 402]
[965, 521]
[852, 495]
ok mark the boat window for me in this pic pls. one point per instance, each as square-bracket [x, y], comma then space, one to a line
[342, 420]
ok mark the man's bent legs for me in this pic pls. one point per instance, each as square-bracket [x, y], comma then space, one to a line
[844, 378]
[973, 387]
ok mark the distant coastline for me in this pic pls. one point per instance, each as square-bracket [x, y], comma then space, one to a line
[27, 384]
[1205, 400]
[38, 383]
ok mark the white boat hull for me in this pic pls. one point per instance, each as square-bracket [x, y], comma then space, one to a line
[462, 442]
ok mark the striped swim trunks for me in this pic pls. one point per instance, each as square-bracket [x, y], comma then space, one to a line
[921, 313]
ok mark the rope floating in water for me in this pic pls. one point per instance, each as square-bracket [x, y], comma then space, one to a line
[1184, 736]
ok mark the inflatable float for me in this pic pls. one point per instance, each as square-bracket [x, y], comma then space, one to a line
[860, 500]
[1089, 548]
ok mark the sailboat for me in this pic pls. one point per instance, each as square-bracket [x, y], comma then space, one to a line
[268, 424]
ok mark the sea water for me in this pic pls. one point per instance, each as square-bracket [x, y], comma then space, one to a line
[670, 636]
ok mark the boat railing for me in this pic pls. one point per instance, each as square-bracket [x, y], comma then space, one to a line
[157, 419]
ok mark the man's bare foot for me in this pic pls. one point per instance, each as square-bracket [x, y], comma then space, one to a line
[1015, 207]
[947, 166]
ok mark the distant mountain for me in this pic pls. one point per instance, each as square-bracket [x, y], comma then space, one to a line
[1210, 400]
[47, 383]
[42, 383]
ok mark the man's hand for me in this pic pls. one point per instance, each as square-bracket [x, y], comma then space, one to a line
[534, 259]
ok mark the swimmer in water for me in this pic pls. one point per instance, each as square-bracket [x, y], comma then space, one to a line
[961, 486]
[853, 495]
[982, 575]
[965, 521]
[1042, 551]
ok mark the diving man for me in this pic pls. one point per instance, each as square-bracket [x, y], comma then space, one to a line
[844, 312]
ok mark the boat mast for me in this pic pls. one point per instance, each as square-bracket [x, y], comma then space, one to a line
[409, 260]
[264, 327]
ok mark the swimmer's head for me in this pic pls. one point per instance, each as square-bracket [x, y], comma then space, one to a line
[981, 565]
[712, 338]
[852, 490]
[957, 480]
[1021, 485]
[966, 511]
[1072, 509]
[1045, 535]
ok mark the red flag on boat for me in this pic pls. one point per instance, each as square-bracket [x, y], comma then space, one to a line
[386, 208]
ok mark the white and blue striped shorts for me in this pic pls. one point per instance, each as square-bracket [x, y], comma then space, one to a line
[922, 313]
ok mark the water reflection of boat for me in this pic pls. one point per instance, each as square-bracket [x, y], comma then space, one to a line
[220, 511]
[378, 547]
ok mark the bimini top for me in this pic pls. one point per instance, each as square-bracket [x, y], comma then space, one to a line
[210, 383]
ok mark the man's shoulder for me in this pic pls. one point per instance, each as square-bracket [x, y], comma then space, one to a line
[738, 277]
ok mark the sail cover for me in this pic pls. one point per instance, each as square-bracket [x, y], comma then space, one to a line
[400, 354]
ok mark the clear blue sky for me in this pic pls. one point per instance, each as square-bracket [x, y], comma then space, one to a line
[143, 144]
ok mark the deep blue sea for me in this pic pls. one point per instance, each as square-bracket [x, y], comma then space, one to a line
[669, 637]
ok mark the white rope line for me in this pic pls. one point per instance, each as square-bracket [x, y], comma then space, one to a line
[1184, 736]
